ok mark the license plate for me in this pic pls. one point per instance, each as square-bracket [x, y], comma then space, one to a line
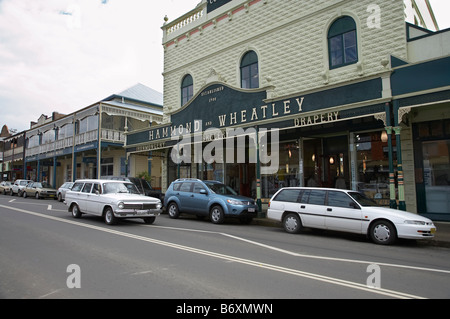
[433, 230]
[251, 210]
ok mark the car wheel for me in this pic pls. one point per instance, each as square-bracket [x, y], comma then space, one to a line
[109, 217]
[173, 210]
[60, 199]
[383, 232]
[292, 223]
[24, 194]
[216, 215]
[76, 213]
[149, 220]
[11, 192]
[36, 196]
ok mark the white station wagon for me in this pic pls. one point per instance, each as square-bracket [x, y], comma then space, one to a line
[112, 200]
[347, 211]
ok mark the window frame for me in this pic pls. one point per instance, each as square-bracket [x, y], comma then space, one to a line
[339, 29]
[250, 63]
[187, 89]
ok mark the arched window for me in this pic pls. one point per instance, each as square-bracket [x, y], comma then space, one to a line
[187, 89]
[249, 71]
[342, 44]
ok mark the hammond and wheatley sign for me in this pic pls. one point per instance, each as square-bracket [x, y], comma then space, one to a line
[220, 106]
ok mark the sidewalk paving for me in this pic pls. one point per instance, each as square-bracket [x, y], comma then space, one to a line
[441, 238]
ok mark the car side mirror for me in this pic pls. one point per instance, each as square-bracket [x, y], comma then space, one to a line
[203, 191]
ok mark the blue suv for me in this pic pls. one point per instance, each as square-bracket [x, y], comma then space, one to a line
[208, 198]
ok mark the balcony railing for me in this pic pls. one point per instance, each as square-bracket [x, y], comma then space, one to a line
[186, 22]
[113, 136]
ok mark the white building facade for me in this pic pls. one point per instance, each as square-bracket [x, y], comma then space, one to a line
[320, 73]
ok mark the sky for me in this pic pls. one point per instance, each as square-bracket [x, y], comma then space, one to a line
[64, 55]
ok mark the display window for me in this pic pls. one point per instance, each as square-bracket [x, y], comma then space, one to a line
[372, 168]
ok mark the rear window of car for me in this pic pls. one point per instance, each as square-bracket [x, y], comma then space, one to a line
[176, 186]
[288, 195]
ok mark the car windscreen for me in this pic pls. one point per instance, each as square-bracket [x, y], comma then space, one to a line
[221, 189]
[362, 199]
[113, 188]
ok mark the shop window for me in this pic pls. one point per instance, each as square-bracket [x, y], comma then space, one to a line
[187, 89]
[107, 168]
[288, 170]
[373, 166]
[250, 71]
[342, 43]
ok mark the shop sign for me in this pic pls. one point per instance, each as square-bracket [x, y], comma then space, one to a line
[317, 119]
[220, 106]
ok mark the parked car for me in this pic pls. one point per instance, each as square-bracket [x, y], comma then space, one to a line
[208, 198]
[39, 190]
[142, 185]
[5, 187]
[347, 211]
[62, 190]
[18, 186]
[113, 200]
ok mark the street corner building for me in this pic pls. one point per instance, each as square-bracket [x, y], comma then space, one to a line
[359, 98]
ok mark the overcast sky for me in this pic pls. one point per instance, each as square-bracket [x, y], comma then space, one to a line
[63, 55]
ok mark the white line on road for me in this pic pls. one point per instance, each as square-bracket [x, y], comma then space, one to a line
[305, 255]
[294, 272]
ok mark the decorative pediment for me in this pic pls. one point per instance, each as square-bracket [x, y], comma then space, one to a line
[214, 77]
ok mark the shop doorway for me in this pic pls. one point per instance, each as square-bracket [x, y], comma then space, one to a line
[326, 162]
[242, 178]
[432, 168]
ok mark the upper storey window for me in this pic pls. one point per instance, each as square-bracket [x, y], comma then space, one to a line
[187, 89]
[342, 45]
[250, 71]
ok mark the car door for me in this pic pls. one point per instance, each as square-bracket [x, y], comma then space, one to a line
[93, 200]
[83, 197]
[184, 196]
[29, 189]
[343, 213]
[199, 199]
[312, 208]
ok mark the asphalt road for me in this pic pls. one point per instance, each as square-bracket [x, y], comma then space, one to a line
[47, 254]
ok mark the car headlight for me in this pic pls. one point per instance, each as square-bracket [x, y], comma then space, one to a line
[121, 205]
[234, 202]
[159, 205]
[415, 222]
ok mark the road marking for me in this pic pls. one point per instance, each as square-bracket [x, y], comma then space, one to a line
[354, 261]
[294, 272]
[12, 200]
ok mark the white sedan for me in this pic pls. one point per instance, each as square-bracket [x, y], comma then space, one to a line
[112, 200]
[348, 211]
